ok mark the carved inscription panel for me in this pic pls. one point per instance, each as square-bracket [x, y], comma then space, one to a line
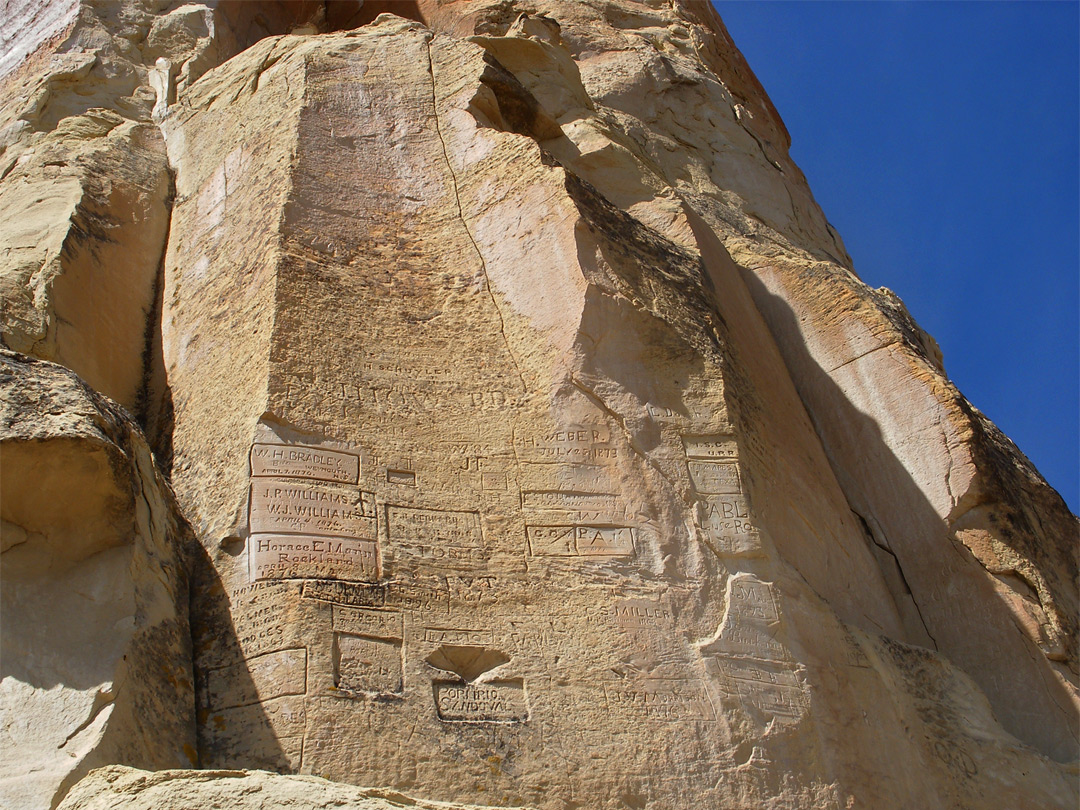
[714, 477]
[294, 556]
[263, 677]
[772, 689]
[491, 702]
[307, 516]
[728, 525]
[580, 541]
[365, 664]
[291, 461]
[661, 699]
[307, 507]
[439, 538]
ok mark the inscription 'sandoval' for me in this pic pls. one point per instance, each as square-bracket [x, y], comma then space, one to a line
[493, 702]
[294, 461]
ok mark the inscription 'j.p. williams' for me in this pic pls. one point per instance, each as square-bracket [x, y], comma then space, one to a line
[309, 507]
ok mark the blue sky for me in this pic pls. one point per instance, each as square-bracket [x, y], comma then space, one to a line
[941, 139]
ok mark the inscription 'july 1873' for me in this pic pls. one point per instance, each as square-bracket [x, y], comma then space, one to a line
[293, 461]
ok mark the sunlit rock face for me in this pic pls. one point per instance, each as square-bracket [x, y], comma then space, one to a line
[542, 445]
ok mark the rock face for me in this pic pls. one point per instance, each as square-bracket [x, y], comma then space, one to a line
[96, 646]
[118, 787]
[542, 447]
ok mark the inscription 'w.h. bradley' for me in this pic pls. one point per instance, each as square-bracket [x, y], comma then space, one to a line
[308, 507]
[294, 461]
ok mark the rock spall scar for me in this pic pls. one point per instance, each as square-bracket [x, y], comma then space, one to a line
[469, 399]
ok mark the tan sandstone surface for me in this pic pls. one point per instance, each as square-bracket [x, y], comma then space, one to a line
[536, 441]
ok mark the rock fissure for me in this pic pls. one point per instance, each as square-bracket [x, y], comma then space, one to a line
[464, 223]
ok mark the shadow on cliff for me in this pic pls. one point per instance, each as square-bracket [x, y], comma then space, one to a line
[229, 717]
[963, 613]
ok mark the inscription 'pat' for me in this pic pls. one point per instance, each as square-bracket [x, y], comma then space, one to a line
[294, 461]
[580, 541]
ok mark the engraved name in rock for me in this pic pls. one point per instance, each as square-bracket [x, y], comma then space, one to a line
[580, 541]
[456, 636]
[375, 623]
[259, 678]
[418, 597]
[492, 702]
[570, 443]
[634, 614]
[750, 598]
[444, 539]
[773, 690]
[572, 502]
[714, 477]
[720, 447]
[291, 556]
[752, 640]
[366, 664]
[345, 593]
[727, 524]
[663, 699]
[261, 627]
[293, 461]
[307, 507]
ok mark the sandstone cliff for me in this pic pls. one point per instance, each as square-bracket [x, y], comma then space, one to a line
[522, 435]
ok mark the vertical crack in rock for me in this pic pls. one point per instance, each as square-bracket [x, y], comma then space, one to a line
[871, 536]
[461, 216]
